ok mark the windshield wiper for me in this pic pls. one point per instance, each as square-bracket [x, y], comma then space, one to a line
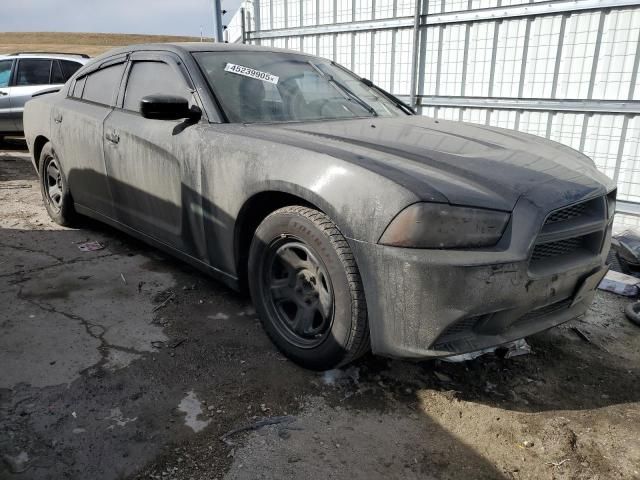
[346, 90]
[396, 101]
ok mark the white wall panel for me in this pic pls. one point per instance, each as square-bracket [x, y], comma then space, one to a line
[567, 128]
[602, 141]
[293, 13]
[344, 10]
[479, 62]
[474, 115]
[344, 48]
[382, 59]
[617, 55]
[577, 55]
[325, 49]
[404, 54]
[503, 118]
[384, 9]
[541, 57]
[534, 122]
[629, 175]
[431, 62]
[362, 57]
[452, 60]
[509, 58]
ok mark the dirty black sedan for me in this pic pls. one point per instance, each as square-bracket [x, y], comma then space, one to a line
[355, 223]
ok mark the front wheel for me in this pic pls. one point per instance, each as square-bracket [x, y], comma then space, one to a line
[54, 188]
[306, 287]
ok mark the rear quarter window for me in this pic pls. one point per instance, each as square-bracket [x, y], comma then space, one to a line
[69, 68]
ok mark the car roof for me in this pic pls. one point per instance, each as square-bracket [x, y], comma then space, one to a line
[75, 57]
[184, 47]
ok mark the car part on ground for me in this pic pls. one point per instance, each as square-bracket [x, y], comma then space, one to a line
[633, 312]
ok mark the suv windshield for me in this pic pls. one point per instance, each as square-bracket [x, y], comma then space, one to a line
[283, 87]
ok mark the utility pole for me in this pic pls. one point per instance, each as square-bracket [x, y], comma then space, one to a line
[217, 20]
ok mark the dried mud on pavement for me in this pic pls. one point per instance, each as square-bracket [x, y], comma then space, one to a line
[124, 363]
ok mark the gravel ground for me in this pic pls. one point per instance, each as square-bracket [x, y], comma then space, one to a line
[125, 363]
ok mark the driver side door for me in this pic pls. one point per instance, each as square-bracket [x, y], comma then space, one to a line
[152, 164]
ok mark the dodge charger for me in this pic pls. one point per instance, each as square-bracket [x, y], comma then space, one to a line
[354, 223]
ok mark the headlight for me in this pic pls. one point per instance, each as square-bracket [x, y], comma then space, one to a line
[438, 225]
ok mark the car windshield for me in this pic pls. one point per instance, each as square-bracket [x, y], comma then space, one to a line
[254, 87]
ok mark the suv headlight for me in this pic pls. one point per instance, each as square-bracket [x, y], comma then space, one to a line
[438, 225]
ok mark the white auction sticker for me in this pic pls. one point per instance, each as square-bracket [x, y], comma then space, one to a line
[250, 72]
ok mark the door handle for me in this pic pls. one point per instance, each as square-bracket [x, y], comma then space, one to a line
[3, 94]
[57, 119]
[112, 137]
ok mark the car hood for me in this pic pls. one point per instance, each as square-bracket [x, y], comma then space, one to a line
[455, 162]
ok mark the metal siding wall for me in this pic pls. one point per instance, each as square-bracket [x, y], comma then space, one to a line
[565, 62]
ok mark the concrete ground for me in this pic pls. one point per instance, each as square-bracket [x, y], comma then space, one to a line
[124, 363]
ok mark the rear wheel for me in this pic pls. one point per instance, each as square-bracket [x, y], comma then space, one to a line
[54, 188]
[307, 290]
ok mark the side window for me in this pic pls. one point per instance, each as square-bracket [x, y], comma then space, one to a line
[148, 78]
[69, 68]
[5, 72]
[33, 71]
[101, 86]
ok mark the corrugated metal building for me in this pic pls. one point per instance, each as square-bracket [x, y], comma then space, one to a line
[563, 69]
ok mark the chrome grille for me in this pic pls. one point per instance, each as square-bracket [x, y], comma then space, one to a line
[554, 249]
[574, 211]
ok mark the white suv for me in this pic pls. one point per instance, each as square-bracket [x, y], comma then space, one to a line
[24, 74]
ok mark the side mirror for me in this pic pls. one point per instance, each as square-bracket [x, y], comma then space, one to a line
[168, 107]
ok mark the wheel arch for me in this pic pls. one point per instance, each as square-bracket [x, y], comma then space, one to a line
[38, 145]
[257, 207]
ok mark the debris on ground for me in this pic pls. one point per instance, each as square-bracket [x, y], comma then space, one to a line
[192, 408]
[632, 311]
[18, 464]
[124, 280]
[442, 377]
[164, 303]
[284, 420]
[90, 246]
[513, 349]
[332, 377]
[626, 245]
[517, 348]
[620, 283]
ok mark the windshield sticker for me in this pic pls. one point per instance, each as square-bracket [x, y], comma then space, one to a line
[251, 73]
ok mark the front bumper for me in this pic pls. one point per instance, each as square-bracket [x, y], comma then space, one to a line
[435, 303]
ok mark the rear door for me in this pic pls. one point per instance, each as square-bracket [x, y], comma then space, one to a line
[31, 75]
[7, 121]
[78, 130]
[152, 163]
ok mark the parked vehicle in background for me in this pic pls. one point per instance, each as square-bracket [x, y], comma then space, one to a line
[354, 222]
[25, 74]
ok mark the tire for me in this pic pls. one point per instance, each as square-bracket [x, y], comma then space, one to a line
[633, 312]
[54, 188]
[307, 290]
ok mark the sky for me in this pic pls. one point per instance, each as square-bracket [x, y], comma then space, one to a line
[163, 17]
